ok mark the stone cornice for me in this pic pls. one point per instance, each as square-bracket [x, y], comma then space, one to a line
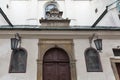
[64, 28]
[72, 32]
[59, 34]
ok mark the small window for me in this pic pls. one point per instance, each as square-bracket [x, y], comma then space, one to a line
[116, 52]
[92, 59]
[119, 16]
[18, 61]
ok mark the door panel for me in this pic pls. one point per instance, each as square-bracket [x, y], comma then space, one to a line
[56, 65]
[50, 71]
[64, 71]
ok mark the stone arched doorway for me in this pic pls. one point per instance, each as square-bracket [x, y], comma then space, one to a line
[67, 48]
[56, 65]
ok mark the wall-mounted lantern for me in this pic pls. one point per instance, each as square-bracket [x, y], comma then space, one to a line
[97, 42]
[16, 42]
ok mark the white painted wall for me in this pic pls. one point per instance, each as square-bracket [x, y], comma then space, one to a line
[3, 5]
[81, 13]
[80, 45]
[111, 18]
[5, 54]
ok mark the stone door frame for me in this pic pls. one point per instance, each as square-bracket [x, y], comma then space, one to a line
[113, 61]
[46, 44]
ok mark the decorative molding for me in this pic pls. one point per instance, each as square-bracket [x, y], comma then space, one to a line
[47, 44]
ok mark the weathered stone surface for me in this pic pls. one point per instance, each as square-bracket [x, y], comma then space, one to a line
[54, 18]
[57, 23]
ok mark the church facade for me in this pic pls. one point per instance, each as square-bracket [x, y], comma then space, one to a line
[56, 40]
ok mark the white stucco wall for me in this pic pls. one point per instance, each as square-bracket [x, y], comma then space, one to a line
[111, 18]
[5, 54]
[82, 13]
[80, 45]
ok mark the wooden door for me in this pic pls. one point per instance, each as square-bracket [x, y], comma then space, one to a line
[56, 65]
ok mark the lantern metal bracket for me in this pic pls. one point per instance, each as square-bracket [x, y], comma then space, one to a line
[92, 37]
[17, 36]
[97, 41]
[16, 42]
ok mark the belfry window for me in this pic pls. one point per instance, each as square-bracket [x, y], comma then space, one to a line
[18, 61]
[92, 59]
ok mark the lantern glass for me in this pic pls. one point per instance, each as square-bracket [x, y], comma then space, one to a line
[14, 43]
[98, 44]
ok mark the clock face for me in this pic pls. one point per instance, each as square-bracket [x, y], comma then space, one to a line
[49, 7]
[118, 6]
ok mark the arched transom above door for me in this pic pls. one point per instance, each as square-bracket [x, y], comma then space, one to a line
[56, 65]
[56, 55]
